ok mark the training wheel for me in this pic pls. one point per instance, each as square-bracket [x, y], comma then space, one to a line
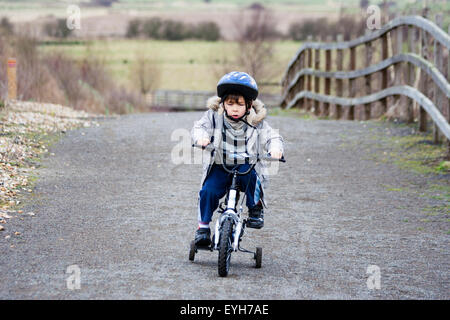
[258, 257]
[192, 251]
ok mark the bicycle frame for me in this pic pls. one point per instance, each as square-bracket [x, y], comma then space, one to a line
[231, 212]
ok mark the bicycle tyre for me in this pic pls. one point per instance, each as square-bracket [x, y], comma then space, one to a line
[225, 248]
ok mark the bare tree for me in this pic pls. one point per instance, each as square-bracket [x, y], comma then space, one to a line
[253, 51]
[256, 33]
[145, 73]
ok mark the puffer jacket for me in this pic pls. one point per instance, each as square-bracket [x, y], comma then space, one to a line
[260, 140]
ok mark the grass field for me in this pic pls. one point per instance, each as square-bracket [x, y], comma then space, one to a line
[184, 65]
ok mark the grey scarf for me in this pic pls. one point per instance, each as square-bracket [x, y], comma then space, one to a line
[233, 141]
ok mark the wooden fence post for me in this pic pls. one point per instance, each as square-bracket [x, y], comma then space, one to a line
[326, 106]
[191, 100]
[308, 104]
[352, 83]
[156, 99]
[368, 78]
[384, 73]
[12, 79]
[302, 79]
[410, 75]
[398, 68]
[317, 79]
[339, 82]
[437, 92]
[423, 78]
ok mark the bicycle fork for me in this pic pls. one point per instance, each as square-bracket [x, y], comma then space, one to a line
[230, 212]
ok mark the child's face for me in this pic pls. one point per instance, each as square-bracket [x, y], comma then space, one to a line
[235, 106]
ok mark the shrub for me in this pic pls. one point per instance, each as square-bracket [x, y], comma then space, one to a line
[6, 26]
[56, 78]
[348, 26]
[301, 30]
[256, 6]
[173, 30]
[67, 75]
[156, 28]
[145, 73]
[133, 28]
[208, 31]
[57, 29]
[123, 101]
[152, 28]
[103, 3]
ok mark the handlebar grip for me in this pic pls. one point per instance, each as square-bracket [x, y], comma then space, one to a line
[194, 145]
[282, 159]
[209, 146]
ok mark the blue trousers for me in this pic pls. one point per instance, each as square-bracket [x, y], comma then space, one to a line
[216, 185]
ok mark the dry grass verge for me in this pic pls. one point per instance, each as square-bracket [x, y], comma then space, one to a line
[27, 131]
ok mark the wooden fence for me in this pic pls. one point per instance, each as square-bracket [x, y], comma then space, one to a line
[195, 100]
[412, 64]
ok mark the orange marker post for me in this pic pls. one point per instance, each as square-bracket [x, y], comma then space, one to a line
[12, 79]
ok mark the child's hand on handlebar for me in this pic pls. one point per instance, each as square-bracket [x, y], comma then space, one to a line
[203, 142]
[276, 154]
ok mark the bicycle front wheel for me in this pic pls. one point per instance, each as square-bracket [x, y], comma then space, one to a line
[225, 247]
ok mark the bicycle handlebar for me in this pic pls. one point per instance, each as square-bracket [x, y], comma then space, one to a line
[267, 157]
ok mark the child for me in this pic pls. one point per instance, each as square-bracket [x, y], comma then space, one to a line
[235, 125]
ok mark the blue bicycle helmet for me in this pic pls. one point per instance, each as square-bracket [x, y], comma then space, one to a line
[239, 82]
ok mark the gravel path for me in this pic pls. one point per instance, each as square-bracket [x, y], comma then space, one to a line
[112, 202]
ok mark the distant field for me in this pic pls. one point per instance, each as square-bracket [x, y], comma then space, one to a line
[101, 21]
[20, 10]
[190, 5]
[184, 65]
[113, 21]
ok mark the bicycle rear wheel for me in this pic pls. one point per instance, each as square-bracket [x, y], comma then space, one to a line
[225, 247]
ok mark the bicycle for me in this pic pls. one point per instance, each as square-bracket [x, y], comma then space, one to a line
[230, 222]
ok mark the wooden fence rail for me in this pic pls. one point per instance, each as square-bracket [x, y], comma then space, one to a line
[354, 81]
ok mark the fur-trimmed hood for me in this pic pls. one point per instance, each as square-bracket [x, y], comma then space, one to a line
[257, 112]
